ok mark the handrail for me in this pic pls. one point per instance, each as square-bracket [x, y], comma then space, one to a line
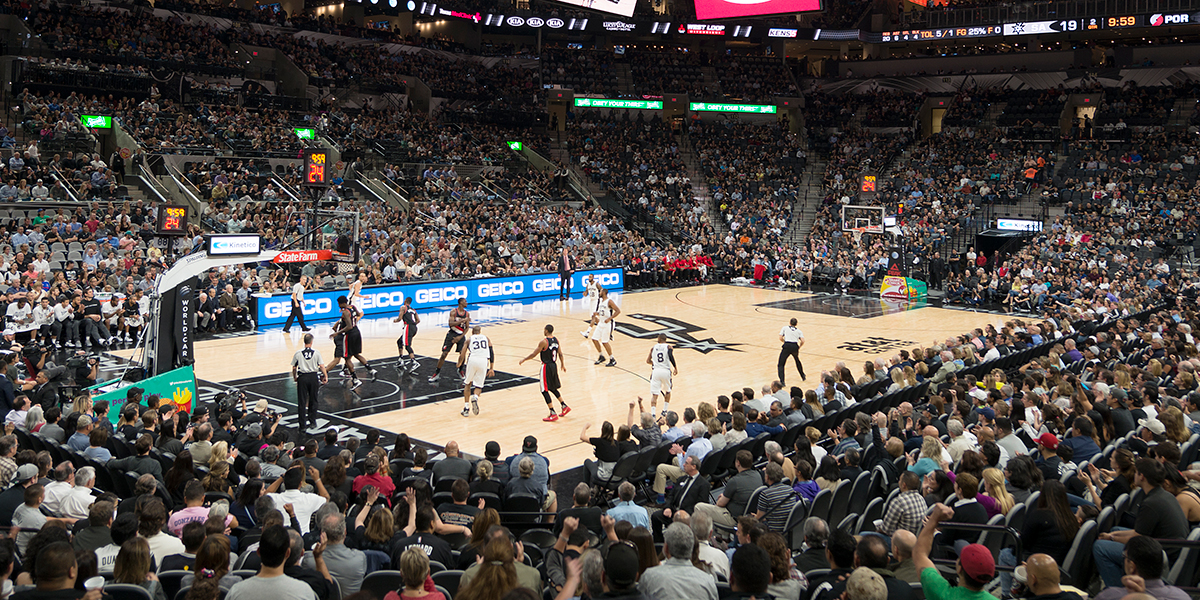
[164, 195]
[185, 184]
[66, 181]
[287, 189]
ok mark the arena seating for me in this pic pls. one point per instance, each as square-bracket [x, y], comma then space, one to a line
[1105, 279]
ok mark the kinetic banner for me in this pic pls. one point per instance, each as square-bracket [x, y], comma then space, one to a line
[177, 387]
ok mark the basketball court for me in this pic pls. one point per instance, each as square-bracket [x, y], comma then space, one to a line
[726, 338]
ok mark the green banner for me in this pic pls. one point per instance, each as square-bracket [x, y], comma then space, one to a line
[733, 108]
[614, 103]
[177, 387]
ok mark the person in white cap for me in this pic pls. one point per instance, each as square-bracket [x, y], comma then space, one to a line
[1151, 430]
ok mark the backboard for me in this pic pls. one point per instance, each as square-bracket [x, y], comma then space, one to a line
[863, 219]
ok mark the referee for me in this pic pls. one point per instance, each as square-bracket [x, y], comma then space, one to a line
[297, 305]
[792, 339]
[308, 371]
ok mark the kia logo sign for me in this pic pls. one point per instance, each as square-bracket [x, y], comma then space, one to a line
[555, 23]
[534, 22]
[515, 21]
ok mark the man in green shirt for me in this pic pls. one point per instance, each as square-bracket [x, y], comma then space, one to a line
[975, 567]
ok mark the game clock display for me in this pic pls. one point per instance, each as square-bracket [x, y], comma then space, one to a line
[172, 220]
[316, 168]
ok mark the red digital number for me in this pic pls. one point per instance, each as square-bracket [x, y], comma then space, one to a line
[171, 223]
[316, 174]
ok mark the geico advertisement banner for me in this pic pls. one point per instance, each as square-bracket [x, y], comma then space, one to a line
[386, 299]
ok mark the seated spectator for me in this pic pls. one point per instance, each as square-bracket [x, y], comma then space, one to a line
[274, 547]
[414, 565]
[347, 565]
[150, 526]
[193, 536]
[1143, 572]
[97, 533]
[133, 567]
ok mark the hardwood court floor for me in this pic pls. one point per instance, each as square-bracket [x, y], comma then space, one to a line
[726, 338]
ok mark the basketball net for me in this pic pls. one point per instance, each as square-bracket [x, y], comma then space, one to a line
[858, 232]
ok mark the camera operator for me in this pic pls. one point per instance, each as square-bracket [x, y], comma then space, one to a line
[85, 369]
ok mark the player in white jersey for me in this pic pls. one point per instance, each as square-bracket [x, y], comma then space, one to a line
[792, 339]
[662, 367]
[590, 299]
[355, 293]
[606, 323]
[481, 357]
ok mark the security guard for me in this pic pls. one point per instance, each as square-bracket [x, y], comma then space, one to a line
[308, 371]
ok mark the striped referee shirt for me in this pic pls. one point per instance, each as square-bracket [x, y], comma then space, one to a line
[307, 360]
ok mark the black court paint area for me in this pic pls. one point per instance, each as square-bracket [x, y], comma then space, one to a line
[854, 307]
[390, 391]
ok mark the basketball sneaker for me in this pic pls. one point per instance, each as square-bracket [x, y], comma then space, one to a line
[599, 361]
[355, 384]
[612, 362]
[466, 412]
[565, 409]
[475, 403]
[552, 418]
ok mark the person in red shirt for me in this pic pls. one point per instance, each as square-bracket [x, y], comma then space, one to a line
[383, 483]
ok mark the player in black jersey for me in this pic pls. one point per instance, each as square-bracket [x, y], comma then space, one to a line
[348, 343]
[550, 353]
[410, 318]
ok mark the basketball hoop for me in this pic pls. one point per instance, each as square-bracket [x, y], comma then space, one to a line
[858, 232]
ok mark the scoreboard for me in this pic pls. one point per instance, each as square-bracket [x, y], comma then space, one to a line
[172, 220]
[316, 168]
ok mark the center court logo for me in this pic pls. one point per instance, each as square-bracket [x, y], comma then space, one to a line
[678, 332]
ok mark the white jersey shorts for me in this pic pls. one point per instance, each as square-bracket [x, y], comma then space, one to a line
[660, 380]
[476, 372]
[603, 332]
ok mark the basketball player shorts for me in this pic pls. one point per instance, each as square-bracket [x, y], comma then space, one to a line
[352, 343]
[339, 345]
[407, 333]
[476, 372]
[603, 332]
[450, 342]
[550, 377]
[660, 381]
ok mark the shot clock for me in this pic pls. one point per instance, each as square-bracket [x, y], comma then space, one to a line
[172, 220]
[316, 168]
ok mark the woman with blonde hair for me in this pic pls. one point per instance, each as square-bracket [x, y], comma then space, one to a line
[993, 483]
[910, 376]
[705, 411]
[496, 577]
[217, 479]
[897, 376]
[133, 567]
[474, 548]
[414, 566]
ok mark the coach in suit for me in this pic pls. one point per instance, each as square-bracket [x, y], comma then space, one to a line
[566, 268]
[689, 490]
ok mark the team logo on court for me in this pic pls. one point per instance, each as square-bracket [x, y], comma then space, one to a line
[678, 332]
[876, 345]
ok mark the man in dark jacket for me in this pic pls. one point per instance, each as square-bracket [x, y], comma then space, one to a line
[96, 534]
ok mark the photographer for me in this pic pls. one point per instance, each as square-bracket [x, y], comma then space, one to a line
[84, 369]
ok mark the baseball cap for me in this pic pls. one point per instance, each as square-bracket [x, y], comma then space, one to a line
[987, 412]
[491, 450]
[25, 473]
[530, 444]
[9, 332]
[621, 565]
[1153, 424]
[254, 430]
[134, 391]
[1048, 440]
[260, 406]
[977, 562]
